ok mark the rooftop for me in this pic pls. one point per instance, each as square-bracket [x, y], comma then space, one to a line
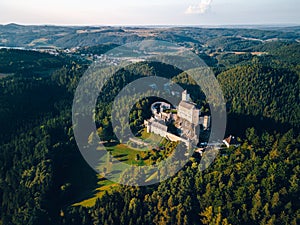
[187, 105]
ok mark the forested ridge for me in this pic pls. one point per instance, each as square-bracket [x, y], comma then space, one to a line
[42, 172]
[262, 93]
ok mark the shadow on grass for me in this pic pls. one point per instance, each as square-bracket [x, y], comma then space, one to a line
[120, 155]
[123, 160]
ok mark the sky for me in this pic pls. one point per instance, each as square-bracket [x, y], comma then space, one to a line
[150, 12]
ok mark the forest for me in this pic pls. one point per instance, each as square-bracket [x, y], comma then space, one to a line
[43, 175]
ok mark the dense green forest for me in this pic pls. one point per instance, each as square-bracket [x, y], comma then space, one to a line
[42, 173]
[29, 63]
[256, 91]
[257, 183]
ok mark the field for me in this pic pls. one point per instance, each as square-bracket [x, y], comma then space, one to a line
[122, 153]
[127, 155]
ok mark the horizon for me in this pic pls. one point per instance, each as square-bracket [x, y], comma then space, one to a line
[168, 12]
[266, 25]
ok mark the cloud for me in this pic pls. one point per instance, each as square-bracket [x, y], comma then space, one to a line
[200, 8]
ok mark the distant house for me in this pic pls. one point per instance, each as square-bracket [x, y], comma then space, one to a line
[231, 140]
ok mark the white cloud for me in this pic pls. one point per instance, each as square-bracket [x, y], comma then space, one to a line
[200, 8]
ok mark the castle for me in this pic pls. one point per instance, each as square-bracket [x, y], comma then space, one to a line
[188, 121]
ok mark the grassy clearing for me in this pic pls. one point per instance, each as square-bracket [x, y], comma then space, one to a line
[127, 155]
[144, 134]
[123, 153]
[150, 138]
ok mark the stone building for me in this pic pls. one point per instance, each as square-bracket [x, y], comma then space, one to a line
[187, 121]
[187, 110]
[157, 127]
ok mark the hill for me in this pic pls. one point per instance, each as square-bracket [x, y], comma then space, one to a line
[42, 173]
[13, 35]
[268, 96]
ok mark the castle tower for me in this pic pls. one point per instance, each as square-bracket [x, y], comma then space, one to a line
[185, 96]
